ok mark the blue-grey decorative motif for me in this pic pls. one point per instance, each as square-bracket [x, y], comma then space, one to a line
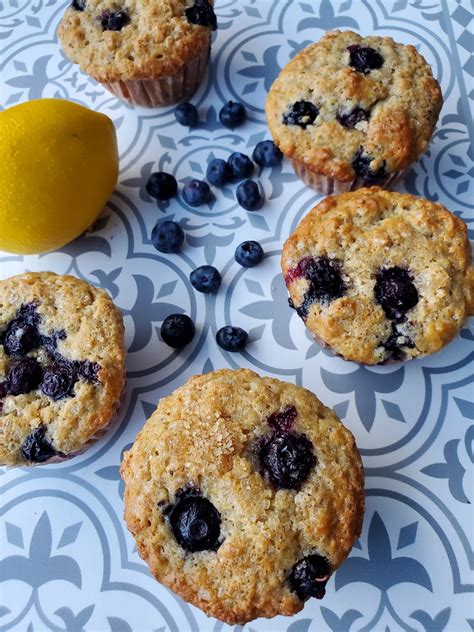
[67, 562]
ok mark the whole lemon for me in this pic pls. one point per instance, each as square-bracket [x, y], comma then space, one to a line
[58, 167]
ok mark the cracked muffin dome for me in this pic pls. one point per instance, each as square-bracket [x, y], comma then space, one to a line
[352, 111]
[61, 366]
[244, 494]
[379, 276]
[147, 52]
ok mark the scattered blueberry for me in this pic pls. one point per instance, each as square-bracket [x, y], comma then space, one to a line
[195, 522]
[232, 338]
[177, 330]
[167, 236]
[267, 154]
[249, 254]
[288, 459]
[250, 196]
[395, 343]
[350, 119]
[24, 376]
[309, 576]
[186, 114]
[58, 381]
[196, 193]
[113, 20]
[206, 279]
[240, 166]
[20, 337]
[232, 114]
[361, 165]
[301, 113]
[87, 370]
[395, 291]
[218, 172]
[36, 448]
[364, 59]
[202, 13]
[325, 281]
[161, 186]
[3, 391]
[78, 5]
[282, 421]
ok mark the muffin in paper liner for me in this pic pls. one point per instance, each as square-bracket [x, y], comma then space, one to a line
[62, 367]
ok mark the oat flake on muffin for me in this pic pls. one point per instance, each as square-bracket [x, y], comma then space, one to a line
[352, 111]
[244, 494]
[61, 366]
[380, 276]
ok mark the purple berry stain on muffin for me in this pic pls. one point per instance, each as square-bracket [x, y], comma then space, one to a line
[350, 119]
[301, 113]
[113, 20]
[287, 459]
[361, 165]
[195, 522]
[37, 448]
[283, 420]
[309, 576]
[395, 291]
[364, 59]
[325, 281]
[202, 14]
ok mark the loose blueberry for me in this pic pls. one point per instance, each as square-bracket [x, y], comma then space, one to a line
[78, 5]
[113, 20]
[364, 59]
[309, 576]
[232, 114]
[206, 279]
[202, 13]
[267, 154]
[301, 113]
[167, 236]
[36, 448]
[197, 193]
[58, 381]
[350, 119]
[361, 165]
[325, 281]
[249, 254]
[218, 172]
[20, 337]
[287, 459]
[232, 338]
[161, 186]
[395, 292]
[282, 421]
[186, 114]
[24, 376]
[177, 330]
[195, 522]
[240, 166]
[250, 196]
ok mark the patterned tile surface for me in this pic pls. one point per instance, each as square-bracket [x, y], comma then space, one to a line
[66, 560]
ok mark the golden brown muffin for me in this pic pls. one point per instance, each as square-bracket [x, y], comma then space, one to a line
[148, 52]
[61, 366]
[243, 494]
[380, 276]
[352, 111]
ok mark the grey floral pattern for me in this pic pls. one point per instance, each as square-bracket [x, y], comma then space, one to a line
[67, 562]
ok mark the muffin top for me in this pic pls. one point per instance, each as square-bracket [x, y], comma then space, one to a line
[243, 494]
[135, 39]
[351, 106]
[61, 366]
[380, 276]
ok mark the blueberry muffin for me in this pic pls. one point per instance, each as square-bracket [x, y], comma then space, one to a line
[147, 52]
[380, 276]
[61, 366]
[352, 111]
[244, 494]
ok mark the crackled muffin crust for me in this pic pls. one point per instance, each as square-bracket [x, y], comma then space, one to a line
[214, 445]
[115, 40]
[61, 366]
[380, 276]
[370, 107]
